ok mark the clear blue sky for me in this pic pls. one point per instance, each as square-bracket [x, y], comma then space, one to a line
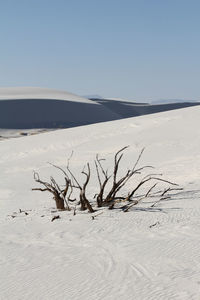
[136, 49]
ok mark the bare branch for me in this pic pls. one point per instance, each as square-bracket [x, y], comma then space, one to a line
[102, 186]
[53, 188]
[139, 157]
[84, 201]
[149, 191]
[171, 189]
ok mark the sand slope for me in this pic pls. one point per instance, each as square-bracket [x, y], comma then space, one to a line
[150, 253]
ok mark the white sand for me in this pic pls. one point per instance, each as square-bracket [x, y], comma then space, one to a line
[117, 255]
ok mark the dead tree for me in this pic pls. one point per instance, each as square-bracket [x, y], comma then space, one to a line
[62, 197]
[118, 183]
[109, 185]
[59, 195]
[84, 202]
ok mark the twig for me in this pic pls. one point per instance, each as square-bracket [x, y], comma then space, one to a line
[55, 218]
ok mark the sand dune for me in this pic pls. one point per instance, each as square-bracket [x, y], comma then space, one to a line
[45, 108]
[148, 253]
[29, 107]
[132, 109]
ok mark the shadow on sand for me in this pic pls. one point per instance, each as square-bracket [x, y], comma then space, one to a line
[36, 113]
[129, 109]
[50, 113]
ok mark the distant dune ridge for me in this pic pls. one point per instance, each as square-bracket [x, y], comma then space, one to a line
[46, 108]
[31, 107]
[127, 109]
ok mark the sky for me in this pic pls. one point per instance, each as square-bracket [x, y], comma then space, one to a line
[132, 49]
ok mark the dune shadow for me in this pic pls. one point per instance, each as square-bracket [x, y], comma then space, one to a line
[44, 113]
[51, 114]
[129, 109]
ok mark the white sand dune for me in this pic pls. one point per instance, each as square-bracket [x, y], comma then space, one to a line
[117, 255]
[34, 108]
[12, 93]
[46, 108]
[127, 109]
